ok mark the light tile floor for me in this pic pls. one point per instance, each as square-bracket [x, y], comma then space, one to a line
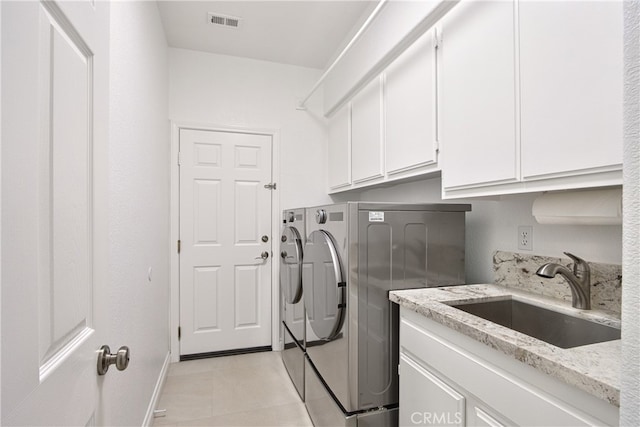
[244, 390]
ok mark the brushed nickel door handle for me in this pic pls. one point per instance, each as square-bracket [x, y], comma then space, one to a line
[106, 359]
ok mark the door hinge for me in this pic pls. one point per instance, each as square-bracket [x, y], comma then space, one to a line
[179, 333]
[437, 146]
[270, 186]
[179, 158]
[179, 245]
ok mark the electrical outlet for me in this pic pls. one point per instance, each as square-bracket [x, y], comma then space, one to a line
[525, 237]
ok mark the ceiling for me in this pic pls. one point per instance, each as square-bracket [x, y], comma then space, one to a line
[298, 32]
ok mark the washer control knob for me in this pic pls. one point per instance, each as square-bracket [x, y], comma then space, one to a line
[321, 216]
[291, 217]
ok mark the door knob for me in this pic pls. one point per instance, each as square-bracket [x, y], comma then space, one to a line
[263, 256]
[106, 359]
[285, 256]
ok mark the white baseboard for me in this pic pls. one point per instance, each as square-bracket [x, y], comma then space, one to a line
[148, 419]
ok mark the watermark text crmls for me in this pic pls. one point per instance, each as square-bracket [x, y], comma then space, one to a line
[436, 418]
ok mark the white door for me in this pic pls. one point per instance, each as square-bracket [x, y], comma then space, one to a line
[225, 210]
[54, 228]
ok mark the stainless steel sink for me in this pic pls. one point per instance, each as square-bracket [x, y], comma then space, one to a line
[559, 329]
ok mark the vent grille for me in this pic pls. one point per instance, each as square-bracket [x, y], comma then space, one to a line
[224, 20]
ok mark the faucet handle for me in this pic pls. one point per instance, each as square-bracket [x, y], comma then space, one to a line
[579, 265]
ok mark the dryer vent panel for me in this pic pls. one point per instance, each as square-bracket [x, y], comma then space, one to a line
[224, 20]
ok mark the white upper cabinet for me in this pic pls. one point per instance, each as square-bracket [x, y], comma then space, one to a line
[478, 94]
[392, 124]
[410, 108]
[531, 96]
[366, 133]
[571, 87]
[518, 96]
[339, 155]
[375, 47]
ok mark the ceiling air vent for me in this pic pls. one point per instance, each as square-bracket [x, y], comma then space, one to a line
[224, 20]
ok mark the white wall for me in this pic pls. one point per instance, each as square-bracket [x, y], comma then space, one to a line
[138, 208]
[0, 212]
[493, 224]
[630, 390]
[244, 93]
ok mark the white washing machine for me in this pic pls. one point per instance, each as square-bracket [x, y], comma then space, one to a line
[292, 312]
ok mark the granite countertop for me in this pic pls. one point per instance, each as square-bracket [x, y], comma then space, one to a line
[594, 368]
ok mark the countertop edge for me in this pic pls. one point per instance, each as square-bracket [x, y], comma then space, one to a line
[566, 365]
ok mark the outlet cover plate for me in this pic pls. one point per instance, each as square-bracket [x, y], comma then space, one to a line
[525, 237]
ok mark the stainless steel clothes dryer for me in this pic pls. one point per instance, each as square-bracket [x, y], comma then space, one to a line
[292, 314]
[355, 254]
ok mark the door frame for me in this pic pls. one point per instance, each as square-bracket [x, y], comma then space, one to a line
[176, 126]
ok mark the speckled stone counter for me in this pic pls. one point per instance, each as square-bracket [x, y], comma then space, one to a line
[594, 368]
[516, 270]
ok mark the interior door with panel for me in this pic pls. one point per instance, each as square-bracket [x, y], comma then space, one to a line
[478, 95]
[225, 226]
[54, 210]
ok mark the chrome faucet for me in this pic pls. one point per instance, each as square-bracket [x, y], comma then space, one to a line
[579, 280]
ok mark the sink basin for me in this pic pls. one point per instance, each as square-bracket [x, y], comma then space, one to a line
[559, 329]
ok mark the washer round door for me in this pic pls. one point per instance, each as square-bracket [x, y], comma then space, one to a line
[324, 291]
[291, 265]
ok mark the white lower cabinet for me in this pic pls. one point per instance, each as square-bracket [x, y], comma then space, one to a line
[447, 378]
[420, 389]
[426, 399]
[480, 417]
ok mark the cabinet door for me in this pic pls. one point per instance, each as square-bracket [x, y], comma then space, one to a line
[478, 99]
[498, 389]
[410, 108]
[366, 133]
[426, 399]
[477, 416]
[571, 86]
[338, 162]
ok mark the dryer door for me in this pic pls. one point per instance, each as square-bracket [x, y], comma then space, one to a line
[291, 265]
[324, 294]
